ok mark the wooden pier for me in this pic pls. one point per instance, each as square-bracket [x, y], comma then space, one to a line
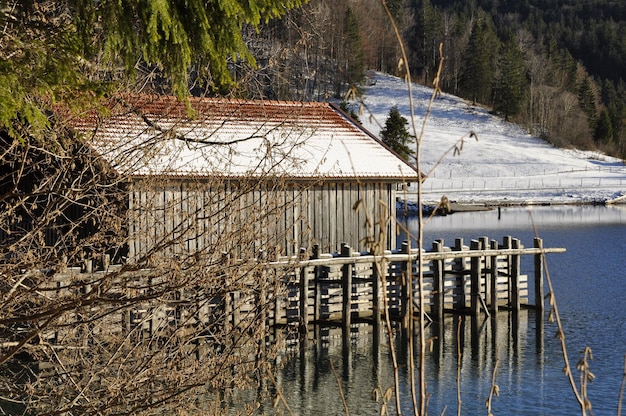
[343, 288]
[483, 277]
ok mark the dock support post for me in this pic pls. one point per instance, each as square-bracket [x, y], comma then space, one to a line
[539, 295]
[406, 286]
[438, 283]
[377, 290]
[475, 273]
[317, 302]
[304, 293]
[484, 277]
[459, 268]
[515, 277]
[261, 296]
[346, 280]
[494, 280]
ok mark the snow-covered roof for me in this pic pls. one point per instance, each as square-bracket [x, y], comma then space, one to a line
[156, 135]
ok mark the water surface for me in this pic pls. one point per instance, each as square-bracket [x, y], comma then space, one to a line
[590, 288]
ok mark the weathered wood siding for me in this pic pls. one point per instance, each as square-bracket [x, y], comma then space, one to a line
[183, 217]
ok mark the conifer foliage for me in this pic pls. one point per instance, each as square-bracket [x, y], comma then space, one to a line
[354, 71]
[478, 62]
[52, 50]
[510, 83]
[395, 134]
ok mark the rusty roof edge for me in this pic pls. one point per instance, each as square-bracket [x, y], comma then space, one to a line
[261, 177]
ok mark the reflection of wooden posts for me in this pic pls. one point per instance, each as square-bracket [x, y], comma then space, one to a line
[475, 273]
[406, 285]
[539, 275]
[438, 283]
[515, 277]
[346, 281]
[494, 280]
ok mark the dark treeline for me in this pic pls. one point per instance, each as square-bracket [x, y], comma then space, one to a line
[554, 67]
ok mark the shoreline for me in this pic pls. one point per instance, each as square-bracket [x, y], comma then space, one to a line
[491, 204]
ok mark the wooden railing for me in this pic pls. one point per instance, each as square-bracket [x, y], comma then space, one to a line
[342, 288]
[485, 275]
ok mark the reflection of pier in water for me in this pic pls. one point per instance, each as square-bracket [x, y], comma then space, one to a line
[462, 346]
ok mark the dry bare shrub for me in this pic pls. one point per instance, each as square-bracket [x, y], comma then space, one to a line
[153, 330]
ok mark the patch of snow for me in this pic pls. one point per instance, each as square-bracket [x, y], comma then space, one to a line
[504, 165]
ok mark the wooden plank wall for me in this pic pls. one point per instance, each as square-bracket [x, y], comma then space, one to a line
[180, 218]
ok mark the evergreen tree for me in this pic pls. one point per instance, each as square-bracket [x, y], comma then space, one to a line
[395, 134]
[478, 70]
[587, 101]
[615, 106]
[510, 84]
[355, 68]
[422, 38]
[604, 128]
[348, 108]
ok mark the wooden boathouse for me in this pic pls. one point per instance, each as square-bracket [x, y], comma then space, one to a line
[283, 175]
[216, 187]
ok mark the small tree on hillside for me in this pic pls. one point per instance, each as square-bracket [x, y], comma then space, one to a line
[348, 108]
[395, 134]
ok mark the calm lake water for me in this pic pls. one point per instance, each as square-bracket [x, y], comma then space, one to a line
[590, 287]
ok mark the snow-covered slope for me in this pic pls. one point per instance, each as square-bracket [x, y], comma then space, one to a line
[505, 164]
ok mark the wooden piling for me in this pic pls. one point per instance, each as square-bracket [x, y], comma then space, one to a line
[539, 266]
[346, 280]
[493, 275]
[304, 292]
[406, 286]
[377, 290]
[475, 273]
[459, 268]
[438, 283]
[515, 277]
[261, 298]
[485, 281]
[317, 289]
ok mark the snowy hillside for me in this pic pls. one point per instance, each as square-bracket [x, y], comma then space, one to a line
[505, 165]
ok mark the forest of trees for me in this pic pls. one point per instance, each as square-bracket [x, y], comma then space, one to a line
[554, 67]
